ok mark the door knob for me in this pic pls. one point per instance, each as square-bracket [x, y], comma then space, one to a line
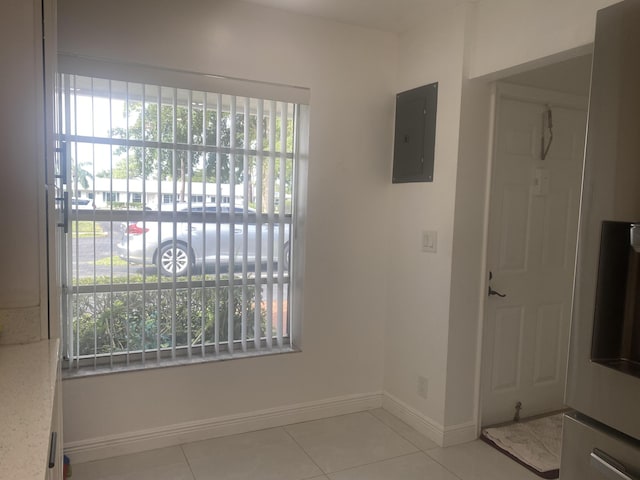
[493, 292]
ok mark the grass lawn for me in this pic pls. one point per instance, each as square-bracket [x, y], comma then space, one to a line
[87, 229]
[108, 261]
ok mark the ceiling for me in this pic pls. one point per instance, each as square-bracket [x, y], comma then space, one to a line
[389, 15]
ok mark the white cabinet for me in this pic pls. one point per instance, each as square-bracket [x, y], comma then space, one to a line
[55, 459]
[30, 410]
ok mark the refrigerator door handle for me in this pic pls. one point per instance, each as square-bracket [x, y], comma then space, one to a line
[609, 467]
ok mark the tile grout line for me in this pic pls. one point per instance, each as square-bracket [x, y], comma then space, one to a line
[423, 451]
[384, 460]
[187, 461]
[441, 464]
[284, 428]
[397, 431]
[418, 450]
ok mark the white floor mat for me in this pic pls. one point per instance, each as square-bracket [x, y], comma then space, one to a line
[536, 443]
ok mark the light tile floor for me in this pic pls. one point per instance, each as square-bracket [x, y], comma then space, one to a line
[372, 445]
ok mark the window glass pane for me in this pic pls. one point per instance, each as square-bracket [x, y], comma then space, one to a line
[134, 111]
[168, 96]
[225, 121]
[119, 93]
[210, 118]
[151, 113]
[197, 118]
[101, 127]
[182, 117]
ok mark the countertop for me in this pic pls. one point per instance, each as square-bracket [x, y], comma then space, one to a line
[28, 376]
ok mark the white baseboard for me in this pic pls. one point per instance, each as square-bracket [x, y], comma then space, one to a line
[171, 435]
[443, 436]
[142, 440]
[461, 433]
[426, 426]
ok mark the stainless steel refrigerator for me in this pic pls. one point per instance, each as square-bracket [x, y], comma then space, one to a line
[601, 440]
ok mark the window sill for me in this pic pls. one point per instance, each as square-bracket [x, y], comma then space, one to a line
[152, 364]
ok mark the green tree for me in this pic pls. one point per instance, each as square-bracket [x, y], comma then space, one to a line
[165, 125]
[177, 163]
[154, 125]
[80, 176]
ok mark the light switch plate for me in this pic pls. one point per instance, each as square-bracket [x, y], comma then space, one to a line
[429, 241]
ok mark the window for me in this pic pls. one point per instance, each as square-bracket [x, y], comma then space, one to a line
[188, 252]
[108, 197]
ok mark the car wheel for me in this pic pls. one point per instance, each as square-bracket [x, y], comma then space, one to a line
[174, 259]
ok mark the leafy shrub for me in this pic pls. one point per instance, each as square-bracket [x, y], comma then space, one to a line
[114, 322]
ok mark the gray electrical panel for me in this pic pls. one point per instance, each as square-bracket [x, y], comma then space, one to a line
[415, 134]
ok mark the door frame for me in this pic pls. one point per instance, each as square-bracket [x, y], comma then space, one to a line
[505, 90]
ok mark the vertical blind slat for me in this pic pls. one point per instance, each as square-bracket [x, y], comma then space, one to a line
[282, 205]
[232, 226]
[124, 227]
[216, 318]
[270, 213]
[128, 272]
[146, 154]
[245, 224]
[110, 232]
[258, 237]
[174, 227]
[75, 184]
[205, 165]
[189, 236]
[144, 242]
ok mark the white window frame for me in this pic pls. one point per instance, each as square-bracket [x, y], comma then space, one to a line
[96, 68]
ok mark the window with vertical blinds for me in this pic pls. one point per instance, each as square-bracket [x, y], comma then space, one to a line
[180, 222]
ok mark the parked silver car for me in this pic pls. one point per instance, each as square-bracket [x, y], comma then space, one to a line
[174, 246]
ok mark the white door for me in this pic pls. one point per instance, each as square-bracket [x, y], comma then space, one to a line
[531, 251]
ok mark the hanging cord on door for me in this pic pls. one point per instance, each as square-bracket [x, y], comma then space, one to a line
[547, 121]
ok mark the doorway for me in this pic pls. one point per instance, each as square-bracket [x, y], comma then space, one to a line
[533, 216]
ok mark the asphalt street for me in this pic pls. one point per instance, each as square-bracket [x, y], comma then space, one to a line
[101, 248]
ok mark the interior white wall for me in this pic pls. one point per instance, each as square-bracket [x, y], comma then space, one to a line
[350, 72]
[21, 151]
[417, 324]
[467, 277]
[510, 33]
[571, 76]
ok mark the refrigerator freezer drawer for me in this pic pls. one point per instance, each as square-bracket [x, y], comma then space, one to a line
[591, 451]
